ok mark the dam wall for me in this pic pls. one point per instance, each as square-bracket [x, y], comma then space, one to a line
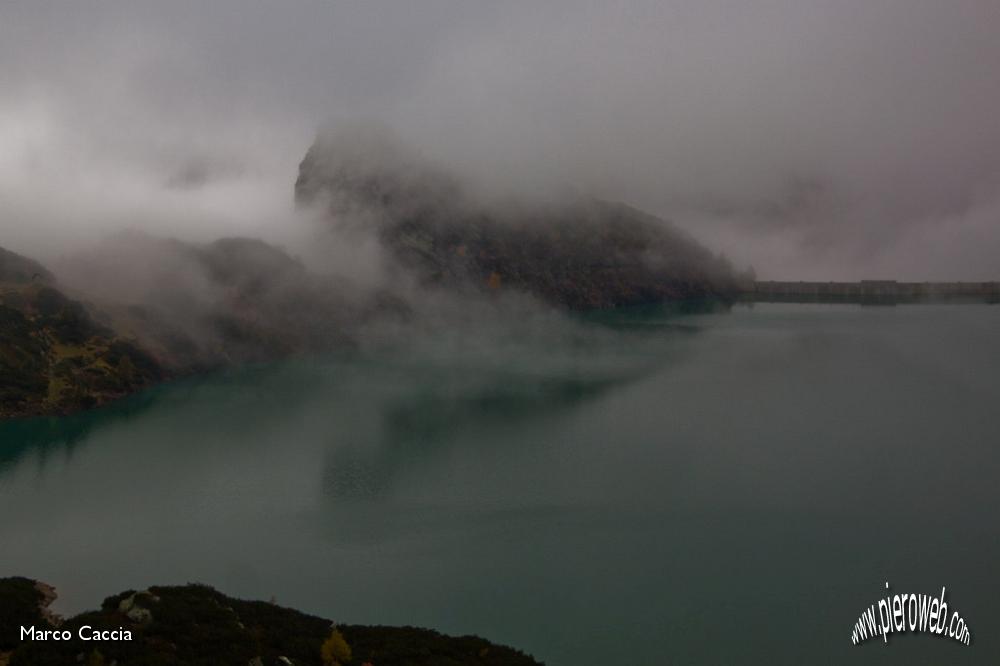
[874, 292]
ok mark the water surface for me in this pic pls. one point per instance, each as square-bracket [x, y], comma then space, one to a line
[639, 488]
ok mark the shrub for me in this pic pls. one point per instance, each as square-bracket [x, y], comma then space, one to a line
[335, 650]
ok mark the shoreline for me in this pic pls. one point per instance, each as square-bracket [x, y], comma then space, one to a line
[865, 293]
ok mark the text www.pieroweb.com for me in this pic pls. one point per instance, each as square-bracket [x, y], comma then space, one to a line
[900, 613]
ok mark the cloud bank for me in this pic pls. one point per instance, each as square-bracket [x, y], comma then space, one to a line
[819, 140]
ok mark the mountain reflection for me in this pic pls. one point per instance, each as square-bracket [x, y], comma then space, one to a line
[443, 409]
[380, 412]
[52, 435]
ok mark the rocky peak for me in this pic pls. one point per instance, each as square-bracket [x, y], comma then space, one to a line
[579, 253]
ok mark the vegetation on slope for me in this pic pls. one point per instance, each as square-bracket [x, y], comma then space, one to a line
[196, 625]
[167, 309]
[54, 356]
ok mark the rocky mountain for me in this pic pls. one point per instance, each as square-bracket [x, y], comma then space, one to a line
[580, 253]
[134, 310]
[195, 624]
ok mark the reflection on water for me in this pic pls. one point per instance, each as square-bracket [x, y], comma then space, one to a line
[48, 436]
[430, 421]
[45, 438]
[640, 487]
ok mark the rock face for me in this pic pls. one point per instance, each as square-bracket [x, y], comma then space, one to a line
[22, 602]
[580, 254]
[195, 624]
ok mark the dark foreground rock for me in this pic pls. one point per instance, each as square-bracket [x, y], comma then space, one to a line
[195, 624]
[22, 602]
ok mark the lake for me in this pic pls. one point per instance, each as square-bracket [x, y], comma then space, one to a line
[644, 487]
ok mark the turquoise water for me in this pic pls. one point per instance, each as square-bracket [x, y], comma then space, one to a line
[642, 488]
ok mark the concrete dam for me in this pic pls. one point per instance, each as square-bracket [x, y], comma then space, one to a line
[872, 292]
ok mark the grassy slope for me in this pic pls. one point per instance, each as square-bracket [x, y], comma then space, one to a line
[54, 358]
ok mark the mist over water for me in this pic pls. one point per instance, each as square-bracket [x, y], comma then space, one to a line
[711, 487]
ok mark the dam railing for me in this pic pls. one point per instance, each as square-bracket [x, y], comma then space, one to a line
[872, 292]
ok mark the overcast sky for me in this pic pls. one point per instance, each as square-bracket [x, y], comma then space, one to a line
[812, 139]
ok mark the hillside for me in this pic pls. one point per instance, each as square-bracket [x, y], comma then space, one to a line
[55, 357]
[202, 306]
[166, 309]
[195, 624]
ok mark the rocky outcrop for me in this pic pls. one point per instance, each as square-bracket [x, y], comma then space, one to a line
[195, 624]
[136, 606]
[580, 253]
[23, 602]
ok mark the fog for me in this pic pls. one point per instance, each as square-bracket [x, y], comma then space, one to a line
[813, 140]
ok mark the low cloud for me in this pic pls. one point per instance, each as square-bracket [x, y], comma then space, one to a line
[813, 140]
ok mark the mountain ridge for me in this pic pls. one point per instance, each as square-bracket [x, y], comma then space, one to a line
[136, 310]
[579, 253]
